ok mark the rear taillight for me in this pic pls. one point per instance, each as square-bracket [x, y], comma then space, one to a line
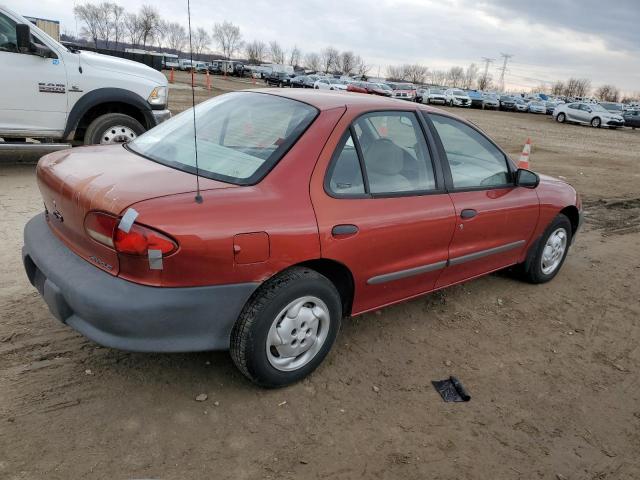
[103, 228]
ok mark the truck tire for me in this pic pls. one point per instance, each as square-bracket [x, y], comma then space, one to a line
[112, 128]
[286, 328]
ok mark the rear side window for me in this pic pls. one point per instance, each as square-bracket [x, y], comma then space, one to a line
[473, 160]
[391, 148]
[241, 136]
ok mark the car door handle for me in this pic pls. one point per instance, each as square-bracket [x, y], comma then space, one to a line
[468, 213]
[344, 229]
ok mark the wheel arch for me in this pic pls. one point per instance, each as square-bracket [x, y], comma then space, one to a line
[339, 274]
[106, 100]
[571, 212]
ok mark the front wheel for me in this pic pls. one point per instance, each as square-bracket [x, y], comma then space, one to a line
[112, 128]
[547, 256]
[287, 328]
[596, 122]
[561, 118]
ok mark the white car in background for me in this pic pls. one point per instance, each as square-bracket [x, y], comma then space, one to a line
[592, 114]
[327, 83]
[435, 95]
[456, 97]
[537, 107]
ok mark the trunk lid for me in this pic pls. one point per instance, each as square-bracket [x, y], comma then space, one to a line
[106, 178]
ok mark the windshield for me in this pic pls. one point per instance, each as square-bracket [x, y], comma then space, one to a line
[241, 136]
[458, 92]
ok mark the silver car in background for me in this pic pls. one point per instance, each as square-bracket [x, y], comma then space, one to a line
[537, 107]
[434, 95]
[587, 114]
[490, 100]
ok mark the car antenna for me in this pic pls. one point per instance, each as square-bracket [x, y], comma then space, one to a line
[193, 107]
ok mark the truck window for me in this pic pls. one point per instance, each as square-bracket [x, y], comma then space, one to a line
[8, 42]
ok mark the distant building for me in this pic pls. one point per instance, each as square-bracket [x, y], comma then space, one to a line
[50, 27]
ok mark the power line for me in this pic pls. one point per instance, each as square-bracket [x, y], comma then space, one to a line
[503, 69]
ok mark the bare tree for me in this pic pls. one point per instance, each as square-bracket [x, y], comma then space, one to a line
[329, 59]
[104, 22]
[361, 66]
[577, 87]
[149, 19]
[256, 52]
[415, 73]
[117, 23]
[312, 61]
[200, 41]
[347, 62]
[557, 88]
[89, 15]
[160, 33]
[608, 93]
[276, 53]
[395, 73]
[294, 56]
[455, 76]
[485, 82]
[438, 77]
[176, 36]
[228, 37]
[470, 76]
[133, 28]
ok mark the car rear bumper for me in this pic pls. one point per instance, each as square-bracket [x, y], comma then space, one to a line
[120, 314]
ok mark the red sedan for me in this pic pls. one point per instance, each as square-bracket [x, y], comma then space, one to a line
[313, 206]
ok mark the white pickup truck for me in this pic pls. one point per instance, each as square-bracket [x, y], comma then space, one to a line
[52, 97]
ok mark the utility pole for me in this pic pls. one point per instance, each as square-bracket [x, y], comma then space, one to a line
[506, 57]
[487, 61]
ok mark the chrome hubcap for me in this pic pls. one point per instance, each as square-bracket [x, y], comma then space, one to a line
[297, 333]
[117, 134]
[554, 251]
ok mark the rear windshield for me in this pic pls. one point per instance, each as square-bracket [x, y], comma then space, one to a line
[241, 136]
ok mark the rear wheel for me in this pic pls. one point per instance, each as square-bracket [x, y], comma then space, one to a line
[112, 128]
[561, 117]
[596, 122]
[286, 328]
[546, 258]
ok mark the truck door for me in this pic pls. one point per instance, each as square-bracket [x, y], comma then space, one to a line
[33, 89]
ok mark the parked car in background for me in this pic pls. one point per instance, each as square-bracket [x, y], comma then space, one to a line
[297, 81]
[312, 208]
[587, 114]
[477, 101]
[368, 87]
[507, 103]
[329, 83]
[632, 118]
[403, 91]
[521, 105]
[490, 101]
[278, 79]
[386, 89]
[436, 95]
[456, 97]
[550, 106]
[310, 80]
[421, 92]
[537, 106]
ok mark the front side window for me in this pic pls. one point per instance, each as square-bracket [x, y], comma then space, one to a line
[240, 136]
[394, 154]
[8, 42]
[473, 160]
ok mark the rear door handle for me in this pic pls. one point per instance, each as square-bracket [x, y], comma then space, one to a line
[468, 213]
[344, 229]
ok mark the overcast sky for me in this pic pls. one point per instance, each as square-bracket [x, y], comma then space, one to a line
[549, 40]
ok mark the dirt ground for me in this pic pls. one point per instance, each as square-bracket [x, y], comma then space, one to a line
[553, 370]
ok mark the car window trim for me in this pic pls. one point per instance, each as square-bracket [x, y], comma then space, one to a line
[435, 162]
[448, 177]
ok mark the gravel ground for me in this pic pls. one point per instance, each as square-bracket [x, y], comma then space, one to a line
[552, 369]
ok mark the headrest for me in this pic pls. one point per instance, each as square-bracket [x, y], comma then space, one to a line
[384, 157]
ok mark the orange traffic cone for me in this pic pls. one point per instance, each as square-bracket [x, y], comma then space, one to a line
[524, 156]
[171, 75]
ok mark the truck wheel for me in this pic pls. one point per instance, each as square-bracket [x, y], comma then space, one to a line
[547, 256]
[112, 128]
[286, 328]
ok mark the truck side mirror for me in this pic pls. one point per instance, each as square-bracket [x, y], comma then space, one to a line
[23, 38]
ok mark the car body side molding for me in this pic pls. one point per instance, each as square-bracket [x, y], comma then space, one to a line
[410, 272]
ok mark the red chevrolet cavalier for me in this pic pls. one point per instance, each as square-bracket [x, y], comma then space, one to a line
[314, 206]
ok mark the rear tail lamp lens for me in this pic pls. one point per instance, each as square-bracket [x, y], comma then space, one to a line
[103, 228]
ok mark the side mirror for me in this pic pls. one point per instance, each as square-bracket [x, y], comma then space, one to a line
[527, 178]
[23, 38]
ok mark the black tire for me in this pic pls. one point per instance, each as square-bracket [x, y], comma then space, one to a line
[97, 127]
[532, 267]
[249, 335]
[596, 122]
[561, 118]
